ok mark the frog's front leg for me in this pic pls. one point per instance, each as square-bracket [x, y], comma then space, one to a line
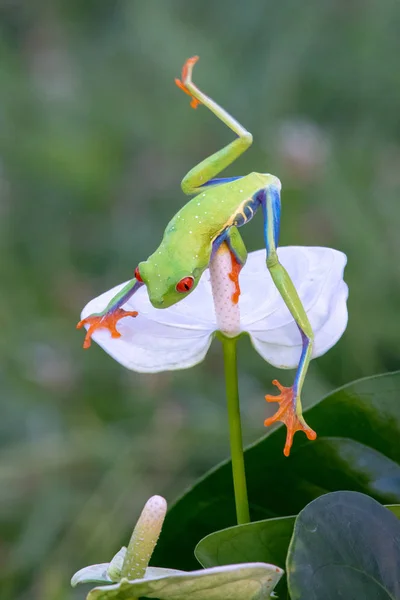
[112, 313]
[290, 410]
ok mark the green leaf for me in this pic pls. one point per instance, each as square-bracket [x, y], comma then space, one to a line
[266, 541]
[357, 449]
[254, 581]
[345, 545]
[395, 509]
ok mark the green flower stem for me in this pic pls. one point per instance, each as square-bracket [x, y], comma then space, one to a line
[235, 429]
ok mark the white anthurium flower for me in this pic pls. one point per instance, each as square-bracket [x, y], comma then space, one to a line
[245, 581]
[129, 576]
[178, 337]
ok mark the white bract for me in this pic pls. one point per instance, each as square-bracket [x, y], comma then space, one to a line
[178, 337]
[119, 581]
[247, 581]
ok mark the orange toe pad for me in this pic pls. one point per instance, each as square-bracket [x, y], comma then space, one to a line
[107, 321]
[286, 413]
[181, 84]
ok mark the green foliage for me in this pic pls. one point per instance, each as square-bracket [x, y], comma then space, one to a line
[266, 541]
[344, 545]
[357, 449]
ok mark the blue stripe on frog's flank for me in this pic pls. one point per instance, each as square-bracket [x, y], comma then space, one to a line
[271, 206]
[220, 180]
[276, 211]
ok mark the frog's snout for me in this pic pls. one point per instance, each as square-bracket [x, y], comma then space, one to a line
[157, 301]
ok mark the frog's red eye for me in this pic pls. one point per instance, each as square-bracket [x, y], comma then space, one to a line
[137, 275]
[184, 285]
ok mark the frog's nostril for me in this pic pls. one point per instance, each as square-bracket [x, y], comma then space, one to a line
[157, 302]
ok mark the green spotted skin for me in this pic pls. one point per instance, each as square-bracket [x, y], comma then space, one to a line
[187, 244]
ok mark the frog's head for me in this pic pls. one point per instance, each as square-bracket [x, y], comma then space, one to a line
[167, 282]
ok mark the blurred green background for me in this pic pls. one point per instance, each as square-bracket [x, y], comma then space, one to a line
[95, 138]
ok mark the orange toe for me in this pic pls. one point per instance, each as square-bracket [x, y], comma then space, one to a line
[286, 413]
[188, 66]
[186, 71]
[194, 103]
[107, 321]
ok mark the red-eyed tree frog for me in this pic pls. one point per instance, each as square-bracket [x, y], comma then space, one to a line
[209, 220]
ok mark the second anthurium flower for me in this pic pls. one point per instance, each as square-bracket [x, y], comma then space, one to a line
[178, 337]
[128, 576]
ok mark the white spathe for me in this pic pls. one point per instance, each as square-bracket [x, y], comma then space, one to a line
[178, 337]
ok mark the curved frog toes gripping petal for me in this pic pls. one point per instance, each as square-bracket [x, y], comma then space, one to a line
[159, 339]
[317, 273]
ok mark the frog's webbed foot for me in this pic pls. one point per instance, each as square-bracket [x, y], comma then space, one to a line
[186, 80]
[287, 414]
[107, 321]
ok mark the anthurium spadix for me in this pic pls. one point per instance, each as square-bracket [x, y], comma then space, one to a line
[178, 337]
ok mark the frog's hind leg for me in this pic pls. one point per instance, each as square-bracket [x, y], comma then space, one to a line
[211, 166]
[290, 410]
